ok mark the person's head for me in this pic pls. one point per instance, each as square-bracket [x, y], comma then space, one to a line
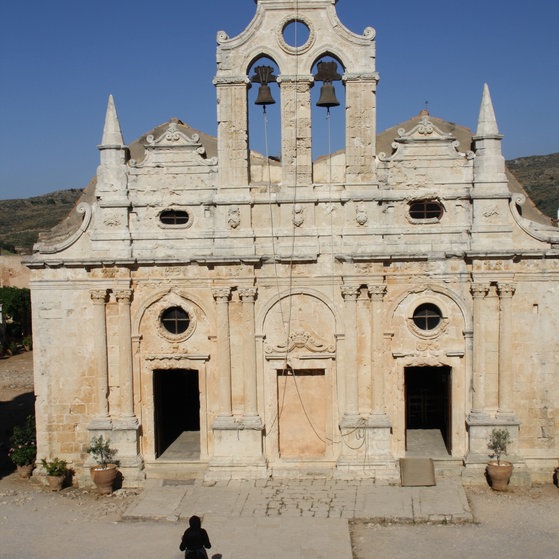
[195, 522]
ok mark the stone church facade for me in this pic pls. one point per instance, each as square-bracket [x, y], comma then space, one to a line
[218, 313]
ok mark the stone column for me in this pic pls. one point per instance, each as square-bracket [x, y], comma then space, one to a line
[251, 417]
[296, 157]
[99, 298]
[351, 414]
[124, 297]
[506, 377]
[479, 291]
[377, 293]
[225, 416]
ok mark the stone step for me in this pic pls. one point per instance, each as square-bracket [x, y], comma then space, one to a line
[449, 467]
[175, 470]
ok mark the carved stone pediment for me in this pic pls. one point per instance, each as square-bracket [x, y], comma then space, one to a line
[300, 340]
[173, 147]
[424, 139]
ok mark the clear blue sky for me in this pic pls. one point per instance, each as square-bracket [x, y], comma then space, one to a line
[60, 59]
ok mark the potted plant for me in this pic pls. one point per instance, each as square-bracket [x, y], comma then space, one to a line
[23, 449]
[104, 474]
[499, 472]
[56, 472]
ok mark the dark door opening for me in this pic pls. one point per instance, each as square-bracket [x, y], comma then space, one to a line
[176, 399]
[428, 400]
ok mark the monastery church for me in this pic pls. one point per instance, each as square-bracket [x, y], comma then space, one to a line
[221, 313]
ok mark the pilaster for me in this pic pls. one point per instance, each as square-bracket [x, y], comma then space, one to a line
[360, 151]
[296, 131]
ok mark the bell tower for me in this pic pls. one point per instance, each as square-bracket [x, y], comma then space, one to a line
[324, 36]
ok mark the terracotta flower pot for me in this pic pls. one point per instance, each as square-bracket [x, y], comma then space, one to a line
[499, 475]
[55, 482]
[104, 478]
[25, 470]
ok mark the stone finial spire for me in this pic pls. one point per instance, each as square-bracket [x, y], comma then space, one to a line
[112, 135]
[487, 123]
[489, 163]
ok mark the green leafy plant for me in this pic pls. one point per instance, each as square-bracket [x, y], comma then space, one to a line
[101, 451]
[24, 443]
[498, 443]
[55, 467]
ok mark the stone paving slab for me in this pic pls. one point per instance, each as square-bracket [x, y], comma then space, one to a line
[446, 502]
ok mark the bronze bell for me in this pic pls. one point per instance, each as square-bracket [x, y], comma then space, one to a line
[327, 96]
[264, 96]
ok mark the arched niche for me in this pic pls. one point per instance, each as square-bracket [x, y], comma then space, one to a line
[264, 119]
[328, 122]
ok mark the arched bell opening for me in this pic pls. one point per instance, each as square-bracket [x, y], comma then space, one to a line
[328, 119]
[264, 121]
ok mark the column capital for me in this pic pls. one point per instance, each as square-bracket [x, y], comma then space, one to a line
[377, 292]
[124, 295]
[98, 296]
[479, 290]
[506, 290]
[350, 292]
[248, 294]
[221, 294]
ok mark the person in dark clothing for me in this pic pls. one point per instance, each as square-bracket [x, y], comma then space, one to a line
[195, 540]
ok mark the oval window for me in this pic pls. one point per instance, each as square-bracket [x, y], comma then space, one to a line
[175, 320]
[426, 209]
[174, 217]
[427, 316]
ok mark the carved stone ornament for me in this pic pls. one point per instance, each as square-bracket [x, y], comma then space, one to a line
[234, 217]
[299, 339]
[298, 217]
[361, 215]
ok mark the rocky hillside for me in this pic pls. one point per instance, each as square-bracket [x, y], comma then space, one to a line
[22, 220]
[540, 176]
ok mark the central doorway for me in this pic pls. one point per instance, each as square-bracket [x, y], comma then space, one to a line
[302, 409]
[428, 402]
[176, 399]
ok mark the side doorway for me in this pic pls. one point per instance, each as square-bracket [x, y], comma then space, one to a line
[176, 397]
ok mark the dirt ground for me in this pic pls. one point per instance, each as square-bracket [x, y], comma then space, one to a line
[36, 523]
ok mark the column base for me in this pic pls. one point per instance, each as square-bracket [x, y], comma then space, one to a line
[481, 424]
[100, 424]
[366, 451]
[237, 455]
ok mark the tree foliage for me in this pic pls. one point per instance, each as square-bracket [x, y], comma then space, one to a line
[16, 305]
